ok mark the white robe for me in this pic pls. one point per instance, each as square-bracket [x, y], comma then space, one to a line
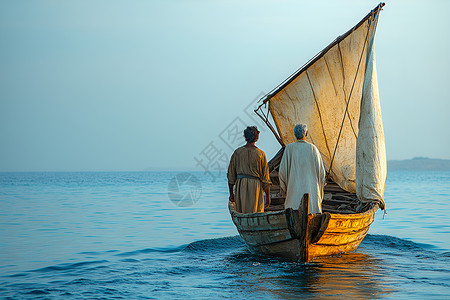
[302, 171]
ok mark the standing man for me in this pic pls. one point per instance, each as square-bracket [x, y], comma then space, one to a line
[301, 172]
[249, 173]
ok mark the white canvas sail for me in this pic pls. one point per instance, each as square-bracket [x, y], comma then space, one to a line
[326, 95]
[371, 169]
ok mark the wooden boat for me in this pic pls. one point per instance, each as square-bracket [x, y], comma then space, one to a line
[297, 235]
[336, 94]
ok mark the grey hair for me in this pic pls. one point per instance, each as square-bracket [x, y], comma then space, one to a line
[300, 131]
[251, 134]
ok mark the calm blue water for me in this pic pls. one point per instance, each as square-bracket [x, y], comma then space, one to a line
[118, 235]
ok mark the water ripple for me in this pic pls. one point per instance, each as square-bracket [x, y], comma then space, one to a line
[152, 250]
[69, 267]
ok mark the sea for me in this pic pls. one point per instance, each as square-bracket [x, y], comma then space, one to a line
[168, 235]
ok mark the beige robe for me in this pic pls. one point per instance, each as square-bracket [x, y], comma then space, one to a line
[302, 171]
[249, 192]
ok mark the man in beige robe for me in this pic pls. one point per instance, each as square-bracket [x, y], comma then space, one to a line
[248, 172]
[301, 172]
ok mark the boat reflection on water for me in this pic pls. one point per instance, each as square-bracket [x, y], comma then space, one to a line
[355, 275]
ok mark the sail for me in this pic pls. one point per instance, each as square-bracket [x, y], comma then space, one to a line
[326, 95]
[371, 169]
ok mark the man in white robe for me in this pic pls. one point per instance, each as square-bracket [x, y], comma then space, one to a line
[301, 172]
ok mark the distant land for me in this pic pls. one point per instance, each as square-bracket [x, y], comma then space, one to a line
[419, 164]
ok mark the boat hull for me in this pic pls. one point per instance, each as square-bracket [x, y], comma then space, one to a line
[286, 233]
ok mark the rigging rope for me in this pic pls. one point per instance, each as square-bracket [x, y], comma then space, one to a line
[348, 101]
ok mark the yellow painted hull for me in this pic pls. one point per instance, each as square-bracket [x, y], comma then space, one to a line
[278, 233]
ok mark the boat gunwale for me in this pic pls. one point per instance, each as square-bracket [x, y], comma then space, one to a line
[355, 215]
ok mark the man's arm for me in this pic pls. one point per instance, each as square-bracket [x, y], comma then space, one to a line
[230, 188]
[283, 174]
[265, 180]
[231, 176]
[322, 173]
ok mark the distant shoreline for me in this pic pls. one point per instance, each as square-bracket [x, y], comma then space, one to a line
[419, 164]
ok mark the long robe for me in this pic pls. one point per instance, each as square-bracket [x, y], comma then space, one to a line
[249, 192]
[302, 171]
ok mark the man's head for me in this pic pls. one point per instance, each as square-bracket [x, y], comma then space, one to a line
[300, 131]
[251, 134]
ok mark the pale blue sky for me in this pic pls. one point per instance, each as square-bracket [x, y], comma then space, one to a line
[129, 85]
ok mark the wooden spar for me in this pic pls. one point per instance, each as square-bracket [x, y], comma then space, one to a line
[297, 221]
[317, 57]
[305, 234]
[275, 133]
